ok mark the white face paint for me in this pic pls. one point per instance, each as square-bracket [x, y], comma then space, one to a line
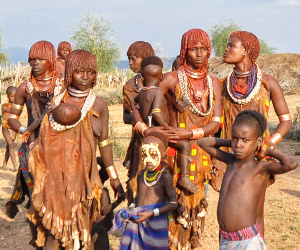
[151, 156]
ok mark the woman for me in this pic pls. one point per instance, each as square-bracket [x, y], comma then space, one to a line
[67, 188]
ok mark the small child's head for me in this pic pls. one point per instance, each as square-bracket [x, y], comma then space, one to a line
[247, 133]
[102, 172]
[151, 70]
[64, 49]
[11, 92]
[154, 147]
[137, 52]
[176, 63]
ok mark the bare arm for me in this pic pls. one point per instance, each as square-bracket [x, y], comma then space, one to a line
[284, 165]
[212, 146]
[157, 104]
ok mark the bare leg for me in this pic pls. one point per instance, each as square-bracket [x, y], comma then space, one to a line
[6, 157]
[10, 149]
[184, 180]
[33, 231]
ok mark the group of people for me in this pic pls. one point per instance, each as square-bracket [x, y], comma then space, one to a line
[172, 155]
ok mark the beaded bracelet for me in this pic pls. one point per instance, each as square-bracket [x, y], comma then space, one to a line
[276, 138]
[285, 117]
[112, 172]
[197, 133]
[102, 144]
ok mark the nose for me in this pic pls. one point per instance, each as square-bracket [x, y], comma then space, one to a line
[198, 52]
[85, 75]
[239, 143]
[130, 61]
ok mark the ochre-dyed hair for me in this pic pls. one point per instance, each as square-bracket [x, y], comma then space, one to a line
[140, 49]
[78, 60]
[192, 38]
[249, 42]
[252, 119]
[64, 45]
[43, 50]
[151, 60]
[159, 136]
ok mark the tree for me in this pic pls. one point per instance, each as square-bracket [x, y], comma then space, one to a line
[94, 34]
[3, 56]
[220, 34]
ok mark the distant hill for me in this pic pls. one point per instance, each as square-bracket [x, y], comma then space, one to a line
[16, 54]
[123, 64]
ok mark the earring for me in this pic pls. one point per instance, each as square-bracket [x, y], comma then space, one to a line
[245, 54]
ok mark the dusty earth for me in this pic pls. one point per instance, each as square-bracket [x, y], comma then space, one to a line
[282, 214]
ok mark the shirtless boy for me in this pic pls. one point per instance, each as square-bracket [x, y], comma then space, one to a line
[153, 104]
[147, 222]
[244, 179]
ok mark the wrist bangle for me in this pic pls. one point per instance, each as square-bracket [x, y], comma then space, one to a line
[285, 117]
[216, 119]
[197, 133]
[22, 130]
[132, 205]
[112, 172]
[141, 127]
[156, 111]
[155, 212]
[102, 144]
[276, 138]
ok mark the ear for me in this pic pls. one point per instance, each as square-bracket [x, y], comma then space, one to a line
[260, 141]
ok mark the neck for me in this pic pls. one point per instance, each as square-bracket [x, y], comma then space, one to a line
[192, 72]
[243, 66]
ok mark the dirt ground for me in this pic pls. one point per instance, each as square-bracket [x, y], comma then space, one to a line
[282, 214]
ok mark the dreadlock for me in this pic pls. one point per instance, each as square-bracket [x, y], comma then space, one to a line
[140, 49]
[64, 45]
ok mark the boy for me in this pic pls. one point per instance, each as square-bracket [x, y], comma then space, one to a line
[244, 179]
[104, 221]
[8, 134]
[147, 226]
[152, 104]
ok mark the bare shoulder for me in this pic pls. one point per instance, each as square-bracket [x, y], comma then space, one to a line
[169, 81]
[166, 176]
[130, 82]
[22, 87]
[216, 82]
[271, 81]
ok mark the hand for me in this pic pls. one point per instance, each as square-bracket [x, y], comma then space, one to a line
[212, 182]
[261, 152]
[117, 187]
[160, 129]
[26, 136]
[144, 216]
[177, 134]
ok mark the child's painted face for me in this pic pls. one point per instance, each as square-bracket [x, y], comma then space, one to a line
[244, 141]
[151, 156]
[135, 63]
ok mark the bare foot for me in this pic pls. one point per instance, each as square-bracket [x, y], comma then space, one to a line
[185, 182]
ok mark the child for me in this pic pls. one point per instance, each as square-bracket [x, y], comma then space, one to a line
[147, 226]
[152, 104]
[8, 134]
[244, 179]
[104, 221]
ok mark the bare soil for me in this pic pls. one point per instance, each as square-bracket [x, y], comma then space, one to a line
[282, 214]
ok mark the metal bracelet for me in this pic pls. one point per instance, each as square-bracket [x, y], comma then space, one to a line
[22, 130]
[102, 144]
[112, 172]
[155, 212]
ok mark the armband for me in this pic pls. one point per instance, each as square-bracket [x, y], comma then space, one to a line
[17, 106]
[156, 111]
[12, 116]
[216, 119]
[155, 212]
[285, 117]
[141, 127]
[112, 172]
[276, 138]
[102, 144]
[22, 130]
[197, 133]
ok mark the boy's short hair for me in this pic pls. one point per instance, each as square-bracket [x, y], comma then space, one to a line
[160, 136]
[151, 60]
[252, 119]
[10, 88]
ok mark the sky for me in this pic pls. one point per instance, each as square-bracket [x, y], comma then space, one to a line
[163, 22]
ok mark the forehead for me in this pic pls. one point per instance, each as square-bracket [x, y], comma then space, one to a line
[243, 130]
[234, 40]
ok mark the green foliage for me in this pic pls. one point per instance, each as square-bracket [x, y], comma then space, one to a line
[94, 34]
[220, 34]
[3, 56]
[265, 48]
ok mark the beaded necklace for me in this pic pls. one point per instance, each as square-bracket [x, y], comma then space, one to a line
[183, 83]
[78, 93]
[197, 74]
[152, 177]
[199, 97]
[54, 87]
[150, 87]
[136, 82]
[88, 104]
[251, 90]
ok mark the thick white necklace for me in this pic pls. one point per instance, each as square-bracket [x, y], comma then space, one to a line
[183, 83]
[88, 104]
[253, 92]
[57, 89]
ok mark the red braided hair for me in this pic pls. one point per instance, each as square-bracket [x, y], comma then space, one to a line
[140, 49]
[250, 42]
[192, 38]
[78, 60]
[64, 45]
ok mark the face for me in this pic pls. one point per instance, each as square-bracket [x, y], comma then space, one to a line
[234, 53]
[83, 79]
[11, 95]
[64, 53]
[244, 141]
[197, 56]
[39, 66]
[135, 63]
[151, 156]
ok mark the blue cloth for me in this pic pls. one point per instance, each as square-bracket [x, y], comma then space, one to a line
[149, 235]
